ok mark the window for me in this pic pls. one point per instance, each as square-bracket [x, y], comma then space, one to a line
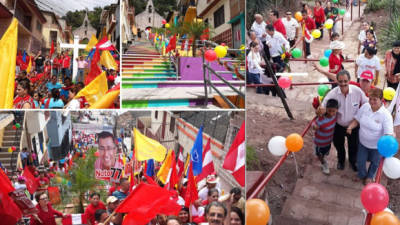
[172, 125]
[149, 19]
[150, 9]
[38, 26]
[85, 32]
[156, 115]
[219, 17]
[85, 23]
[53, 20]
[206, 21]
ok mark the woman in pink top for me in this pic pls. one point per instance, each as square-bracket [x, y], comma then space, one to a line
[82, 64]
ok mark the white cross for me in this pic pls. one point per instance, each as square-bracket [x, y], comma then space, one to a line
[76, 46]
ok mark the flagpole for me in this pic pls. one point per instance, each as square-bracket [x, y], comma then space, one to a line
[15, 5]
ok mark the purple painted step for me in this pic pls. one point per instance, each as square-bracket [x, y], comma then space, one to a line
[191, 68]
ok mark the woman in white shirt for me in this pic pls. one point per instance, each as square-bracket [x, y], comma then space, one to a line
[375, 121]
[368, 61]
[254, 66]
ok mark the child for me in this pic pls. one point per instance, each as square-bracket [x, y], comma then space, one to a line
[325, 125]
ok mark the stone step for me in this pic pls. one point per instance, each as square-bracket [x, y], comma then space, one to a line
[12, 132]
[328, 193]
[300, 208]
[11, 138]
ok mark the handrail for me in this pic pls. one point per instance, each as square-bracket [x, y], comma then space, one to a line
[277, 165]
[292, 84]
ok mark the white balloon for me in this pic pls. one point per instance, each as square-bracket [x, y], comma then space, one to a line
[323, 80]
[391, 167]
[277, 146]
[388, 210]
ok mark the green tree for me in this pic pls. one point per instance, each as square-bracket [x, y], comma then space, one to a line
[139, 5]
[194, 30]
[74, 19]
[94, 18]
[163, 7]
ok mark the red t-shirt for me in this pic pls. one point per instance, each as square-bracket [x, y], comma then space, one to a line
[42, 181]
[46, 217]
[91, 209]
[310, 23]
[319, 15]
[335, 61]
[278, 25]
[358, 85]
[66, 62]
[20, 101]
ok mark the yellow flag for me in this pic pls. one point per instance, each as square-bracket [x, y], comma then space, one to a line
[107, 60]
[95, 90]
[29, 68]
[8, 55]
[92, 42]
[165, 168]
[147, 148]
[186, 167]
[105, 101]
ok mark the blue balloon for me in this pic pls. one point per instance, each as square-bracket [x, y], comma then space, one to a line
[62, 160]
[387, 146]
[119, 140]
[130, 155]
[328, 53]
[69, 184]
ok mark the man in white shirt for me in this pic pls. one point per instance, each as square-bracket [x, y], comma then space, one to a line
[292, 28]
[350, 98]
[259, 27]
[275, 42]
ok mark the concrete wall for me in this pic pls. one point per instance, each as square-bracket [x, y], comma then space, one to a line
[56, 129]
[202, 5]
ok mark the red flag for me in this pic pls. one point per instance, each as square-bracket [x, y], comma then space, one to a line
[191, 192]
[105, 44]
[132, 182]
[6, 185]
[9, 212]
[171, 44]
[30, 181]
[73, 219]
[205, 35]
[208, 164]
[150, 180]
[235, 158]
[94, 68]
[52, 49]
[173, 178]
[180, 166]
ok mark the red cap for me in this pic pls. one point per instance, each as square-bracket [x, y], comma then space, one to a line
[367, 75]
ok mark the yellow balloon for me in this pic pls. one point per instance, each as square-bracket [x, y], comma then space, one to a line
[257, 212]
[220, 51]
[10, 150]
[389, 93]
[329, 24]
[167, 25]
[316, 33]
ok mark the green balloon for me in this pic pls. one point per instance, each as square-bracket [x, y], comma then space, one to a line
[335, 1]
[322, 89]
[17, 125]
[324, 61]
[296, 53]
[342, 12]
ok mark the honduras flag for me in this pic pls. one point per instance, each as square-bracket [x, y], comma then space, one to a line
[196, 153]
[150, 168]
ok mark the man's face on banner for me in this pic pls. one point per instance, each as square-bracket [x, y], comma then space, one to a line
[107, 150]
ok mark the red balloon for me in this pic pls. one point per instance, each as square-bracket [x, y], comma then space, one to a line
[223, 44]
[210, 55]
[96, 154]
[13, 148]
[164, 21]
[14, 127]
[374, 197]
[284, 82]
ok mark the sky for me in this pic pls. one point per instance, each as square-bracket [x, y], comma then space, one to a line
[61, 7]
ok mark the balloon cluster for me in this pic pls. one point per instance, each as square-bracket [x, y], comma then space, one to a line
[219, 52]
[16, 126]
[279, 145]
[374, 196]
[12, 149]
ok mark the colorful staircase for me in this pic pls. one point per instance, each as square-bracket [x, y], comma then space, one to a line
[150, 79]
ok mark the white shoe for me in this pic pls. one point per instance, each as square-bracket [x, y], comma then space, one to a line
[309, 57]
[325, 168]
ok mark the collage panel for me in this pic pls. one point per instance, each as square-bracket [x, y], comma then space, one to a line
[321, 109]
[122, 167]
[55, 56]
[183, 54]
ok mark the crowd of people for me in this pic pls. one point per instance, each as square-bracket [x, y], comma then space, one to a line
[354, 107]
[44, 82]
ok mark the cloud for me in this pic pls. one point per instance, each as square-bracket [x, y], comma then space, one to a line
[60, 8]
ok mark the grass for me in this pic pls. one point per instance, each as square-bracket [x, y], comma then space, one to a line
[252, 161]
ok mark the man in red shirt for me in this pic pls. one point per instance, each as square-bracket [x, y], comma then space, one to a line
[94, 205]
[66, 63]
[319, 16]
[310, 26]
[277, 23]
[43, 181]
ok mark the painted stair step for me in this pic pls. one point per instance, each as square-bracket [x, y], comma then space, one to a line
[145, 63]
[149, 71]
[148, 75]
[141, 55]
[171, 83]
[156, 67]
[169, 103]
[156, 72]
[143, 78]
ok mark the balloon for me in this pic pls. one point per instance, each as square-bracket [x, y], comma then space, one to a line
[294, 142]
[14, 127]
[97, 154]
[62, 161]
[384, 218]
[323, 80]
[335, 1]
[69, 183]
[64, 181]
[257, 212]
[388, 210]
[342, 12]
[296, 53]
[167, 25]
[164, 21]
[276, 146]
[324, 61]
[389, 93]
[223, 44]
[391, 167]
[17, 125]
[284, 82]
[374, 197]
[328, 53]
[387, 146]
[220, 51]
[13, 148]
[58, 180]
[329, 24]
[298, 16]
[316, 33]
[210, 55]
[323, 89]
[9, 149]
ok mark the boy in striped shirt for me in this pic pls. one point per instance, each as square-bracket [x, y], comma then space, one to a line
[325, 126]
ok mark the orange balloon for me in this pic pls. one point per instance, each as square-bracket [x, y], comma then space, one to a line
[384, 218]
[257, 212]
[294, 142]
[298, 16]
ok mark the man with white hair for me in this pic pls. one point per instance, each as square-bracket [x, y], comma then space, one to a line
[259, 28]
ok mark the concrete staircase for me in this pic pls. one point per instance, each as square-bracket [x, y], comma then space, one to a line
[10, 138]
[151, 80]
